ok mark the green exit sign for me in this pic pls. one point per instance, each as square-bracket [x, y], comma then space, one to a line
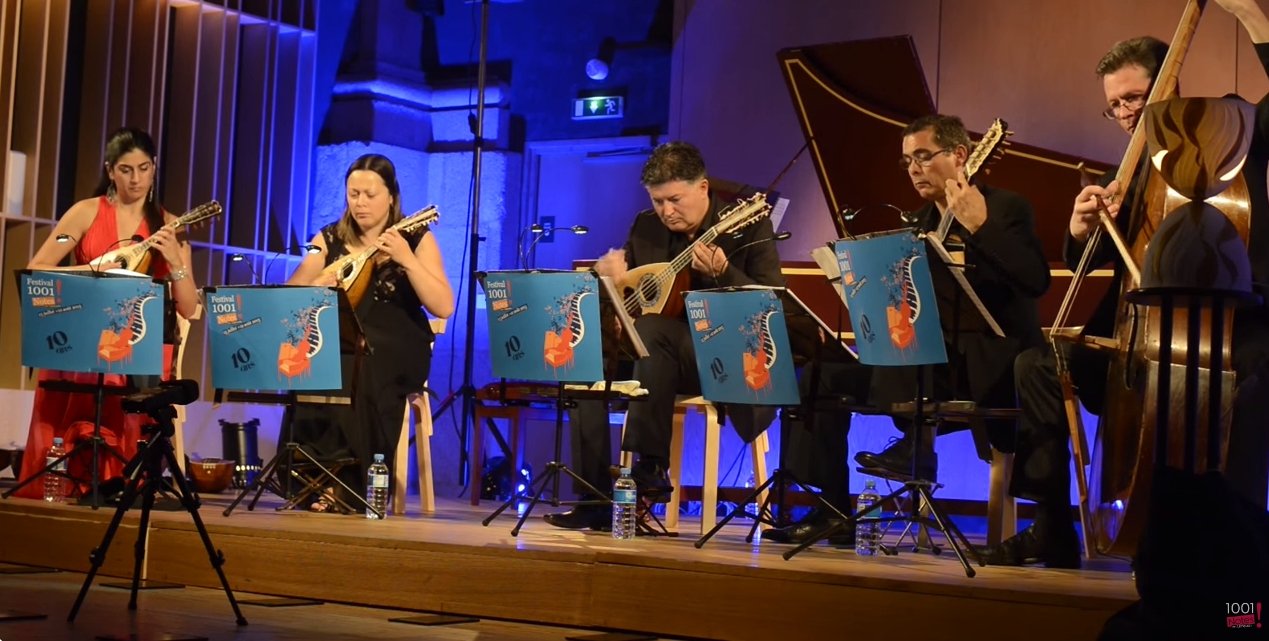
[599, 108]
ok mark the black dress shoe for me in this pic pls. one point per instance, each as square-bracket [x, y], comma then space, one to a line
[594, 517]
[652, 481]
[1030, 548]
[811, 527]
[897, 460]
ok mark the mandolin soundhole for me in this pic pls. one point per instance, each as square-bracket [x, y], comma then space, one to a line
[649, 291]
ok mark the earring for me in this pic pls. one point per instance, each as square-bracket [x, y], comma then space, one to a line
[110, 192]
[150, 197]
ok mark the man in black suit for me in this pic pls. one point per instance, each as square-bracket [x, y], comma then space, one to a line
[682, 208]
[1042, 461]
[1007, 271]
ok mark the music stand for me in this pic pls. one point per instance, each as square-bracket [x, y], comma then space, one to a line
[893, 274]
[546, 313]
[797, 333]
[66, 306]
[250, 324]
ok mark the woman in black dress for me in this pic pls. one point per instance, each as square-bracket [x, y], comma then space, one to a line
[408, 284]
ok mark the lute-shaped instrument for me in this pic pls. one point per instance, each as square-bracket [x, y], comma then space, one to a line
[351, 273]
[136, 257]
[654, 288]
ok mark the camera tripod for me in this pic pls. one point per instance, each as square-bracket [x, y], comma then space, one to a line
[144, 474]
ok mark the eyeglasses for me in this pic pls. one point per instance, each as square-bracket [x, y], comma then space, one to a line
[923, 158]
[1132, 103]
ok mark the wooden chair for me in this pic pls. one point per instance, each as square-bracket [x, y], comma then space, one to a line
[709, 481]
[420, 406]
[178, 361]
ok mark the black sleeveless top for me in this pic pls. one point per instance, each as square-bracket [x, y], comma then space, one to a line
[391, 315]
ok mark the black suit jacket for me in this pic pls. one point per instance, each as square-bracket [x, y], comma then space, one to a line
[1009, 273]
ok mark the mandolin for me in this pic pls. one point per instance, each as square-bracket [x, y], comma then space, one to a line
[136, 257]
[656, 288]
[351, 271]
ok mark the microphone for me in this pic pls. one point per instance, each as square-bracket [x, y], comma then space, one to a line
[524, 258]
[242, 258]
[179, 392]
[784, 235]
[542, 233]
[256, 278]
[135, 238]
[847, 214]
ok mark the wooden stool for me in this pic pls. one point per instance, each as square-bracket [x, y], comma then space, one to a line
[709, 481]
[421, 406]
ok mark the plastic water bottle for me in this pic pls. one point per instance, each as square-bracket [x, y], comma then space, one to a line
[377, 488]
[55, 485]
[868, 535]
[624, 495]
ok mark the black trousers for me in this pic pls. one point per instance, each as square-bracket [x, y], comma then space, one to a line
[817, 454]
[669, 370]
[1042, 461]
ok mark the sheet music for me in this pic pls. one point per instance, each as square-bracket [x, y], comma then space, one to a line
[827, 260]
[959, 274]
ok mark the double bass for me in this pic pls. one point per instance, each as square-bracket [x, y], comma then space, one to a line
[1149, 342]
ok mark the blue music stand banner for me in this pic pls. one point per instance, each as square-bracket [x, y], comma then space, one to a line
[890, 294]
[96, 323]
[544, 326]
[742, 347]
[274, 338]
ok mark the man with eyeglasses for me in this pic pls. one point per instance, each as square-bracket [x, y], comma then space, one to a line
[1041, 471]
[1008, 272]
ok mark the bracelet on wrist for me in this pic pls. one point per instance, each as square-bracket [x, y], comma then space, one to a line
[177, 275]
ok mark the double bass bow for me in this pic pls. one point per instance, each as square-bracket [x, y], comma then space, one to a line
[1144, 376]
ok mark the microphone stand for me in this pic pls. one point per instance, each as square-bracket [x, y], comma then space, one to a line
[467, 392]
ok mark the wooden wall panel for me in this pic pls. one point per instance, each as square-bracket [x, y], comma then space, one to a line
[227, 107]
[93, 114]
[302, 169]
[120, 49]
[17, 250]
[284, 93]
[57, 24]
[252, 129]
[28, 91]
[207, 117]
[179, 140]
[9, 17]
[144, 60]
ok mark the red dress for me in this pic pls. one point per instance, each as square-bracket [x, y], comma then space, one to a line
[72, 415]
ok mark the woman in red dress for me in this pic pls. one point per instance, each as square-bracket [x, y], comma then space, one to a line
[124, 207]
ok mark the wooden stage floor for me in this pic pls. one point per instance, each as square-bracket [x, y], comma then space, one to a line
[450, 563]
